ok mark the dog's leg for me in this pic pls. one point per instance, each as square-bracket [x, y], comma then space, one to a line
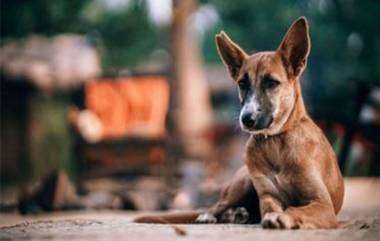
[317, 213]
[270, 208]
[232, 196]
[312, 216]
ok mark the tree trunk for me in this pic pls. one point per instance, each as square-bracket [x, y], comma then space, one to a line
[192, 112]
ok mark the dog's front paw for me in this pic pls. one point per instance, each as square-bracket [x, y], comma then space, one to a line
[206, 218]
[277, 220]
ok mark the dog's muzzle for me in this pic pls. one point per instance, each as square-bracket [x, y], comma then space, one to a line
[260, 122]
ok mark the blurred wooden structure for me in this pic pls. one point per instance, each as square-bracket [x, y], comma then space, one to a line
[36, 72]
[131, 112]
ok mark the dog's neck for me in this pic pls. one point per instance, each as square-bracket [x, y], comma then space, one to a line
[298, 113]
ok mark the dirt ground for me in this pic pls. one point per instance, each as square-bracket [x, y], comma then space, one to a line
[359, 220]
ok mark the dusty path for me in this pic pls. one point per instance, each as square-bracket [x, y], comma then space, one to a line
[360, 220]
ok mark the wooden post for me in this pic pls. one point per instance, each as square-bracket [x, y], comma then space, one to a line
[191, 108]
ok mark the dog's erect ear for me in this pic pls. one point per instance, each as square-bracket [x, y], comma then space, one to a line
[231, 54]
[295, 47]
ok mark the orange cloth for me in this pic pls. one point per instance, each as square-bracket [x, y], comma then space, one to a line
[129, 106]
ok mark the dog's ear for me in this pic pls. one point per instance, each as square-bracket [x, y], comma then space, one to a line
[231, 54]
[295, 47]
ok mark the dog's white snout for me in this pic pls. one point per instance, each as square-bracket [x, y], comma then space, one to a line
[252, 106]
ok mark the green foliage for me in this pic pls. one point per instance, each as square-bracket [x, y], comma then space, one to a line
[20, 17]
[128, 36]
[345, 34]
[125, 35]
[345, 44]
[256, 25]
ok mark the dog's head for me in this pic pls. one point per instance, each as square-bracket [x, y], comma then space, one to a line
[267, 81]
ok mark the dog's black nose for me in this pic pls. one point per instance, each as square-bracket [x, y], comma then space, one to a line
[247, 120]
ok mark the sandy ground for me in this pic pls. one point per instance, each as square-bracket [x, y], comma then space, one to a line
[359, 219]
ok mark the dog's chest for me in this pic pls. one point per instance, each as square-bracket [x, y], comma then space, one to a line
[267, 162]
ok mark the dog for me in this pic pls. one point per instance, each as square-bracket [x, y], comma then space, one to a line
[291, 179]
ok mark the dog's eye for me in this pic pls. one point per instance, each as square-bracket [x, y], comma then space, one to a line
[244, 83]
[270, 83]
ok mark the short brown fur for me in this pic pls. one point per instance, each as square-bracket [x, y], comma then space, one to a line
[290, 178]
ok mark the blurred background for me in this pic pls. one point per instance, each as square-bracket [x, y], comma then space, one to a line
[125, 104]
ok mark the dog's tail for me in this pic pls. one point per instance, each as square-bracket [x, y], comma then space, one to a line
[185, 217]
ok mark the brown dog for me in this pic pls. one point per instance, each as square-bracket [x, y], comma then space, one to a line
[291, 178]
